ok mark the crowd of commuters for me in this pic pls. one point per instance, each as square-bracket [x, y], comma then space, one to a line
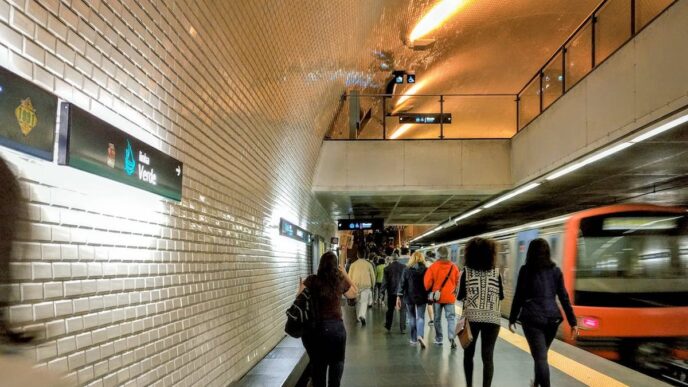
[415, 284]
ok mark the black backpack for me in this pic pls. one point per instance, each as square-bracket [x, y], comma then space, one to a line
[301, 314]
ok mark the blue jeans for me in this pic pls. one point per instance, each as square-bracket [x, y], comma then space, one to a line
[415, 318]
[450, 315]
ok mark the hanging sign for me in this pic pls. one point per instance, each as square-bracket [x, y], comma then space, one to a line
[27, 116]
[92, 145]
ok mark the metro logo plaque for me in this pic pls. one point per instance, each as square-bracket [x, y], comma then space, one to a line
[92, 145]
[27, 116]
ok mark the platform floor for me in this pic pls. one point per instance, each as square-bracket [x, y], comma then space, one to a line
[377, 358]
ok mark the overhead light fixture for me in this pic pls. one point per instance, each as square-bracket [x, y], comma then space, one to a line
[590, 160]
[511, 195]
[466, 215]
[401, 130]
[432, 20]
[661, 129]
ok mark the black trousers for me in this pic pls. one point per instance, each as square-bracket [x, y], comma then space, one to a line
[488, 333]
[539, 339]
[389, 316]
[326, 347]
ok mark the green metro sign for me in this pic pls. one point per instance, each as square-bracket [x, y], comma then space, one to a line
[90, 144]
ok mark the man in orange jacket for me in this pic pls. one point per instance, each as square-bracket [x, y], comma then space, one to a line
[443, 276]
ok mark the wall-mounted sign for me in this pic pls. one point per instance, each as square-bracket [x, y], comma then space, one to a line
[424, 118]
[91, 144]
[27, 116]
[360, 224]
[293, 231]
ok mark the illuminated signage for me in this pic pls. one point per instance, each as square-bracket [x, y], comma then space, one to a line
[410, 78]
[360, 224]
[27, 116]
[92, 145]
[293, 231]
[424, 118]
[640, 223]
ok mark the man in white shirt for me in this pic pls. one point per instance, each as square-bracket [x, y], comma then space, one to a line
[363, 276]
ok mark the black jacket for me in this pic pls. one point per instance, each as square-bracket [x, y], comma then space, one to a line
[411, 288]
[392, 277]
[535, 298]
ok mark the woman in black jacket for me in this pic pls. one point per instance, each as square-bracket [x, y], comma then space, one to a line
[412, 292]
[540, 282]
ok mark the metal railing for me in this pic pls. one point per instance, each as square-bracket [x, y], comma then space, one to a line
[611, 25]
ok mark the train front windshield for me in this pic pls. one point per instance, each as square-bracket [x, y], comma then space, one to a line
[633, 260]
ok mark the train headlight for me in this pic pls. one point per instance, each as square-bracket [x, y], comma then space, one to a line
[588, 323]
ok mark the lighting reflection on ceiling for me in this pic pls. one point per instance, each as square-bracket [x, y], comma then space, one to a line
[432, 20]
[413, 90]
[401, 130]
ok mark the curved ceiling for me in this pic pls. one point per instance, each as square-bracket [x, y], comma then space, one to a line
[487, 47]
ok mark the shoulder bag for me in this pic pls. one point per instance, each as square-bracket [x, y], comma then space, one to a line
[435, 296]
[463, 327]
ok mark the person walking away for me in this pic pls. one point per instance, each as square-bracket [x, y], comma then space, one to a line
[405, 257]
[413, 294]
[325, 343]
[379, 274]
[539, 283]
[443, 276]
[362, 274]
[482, 292]
[390, 284]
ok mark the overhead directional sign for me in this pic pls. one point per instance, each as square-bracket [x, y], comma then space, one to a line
[91, 144]
[27, 116]
[410, 78]
[360, 224]
[425, 118]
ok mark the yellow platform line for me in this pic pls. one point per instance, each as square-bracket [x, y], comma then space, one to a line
[576, 370]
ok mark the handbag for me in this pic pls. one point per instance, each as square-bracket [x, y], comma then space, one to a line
[435, 296]
[463, 332]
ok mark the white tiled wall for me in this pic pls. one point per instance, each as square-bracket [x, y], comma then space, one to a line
[125, 288]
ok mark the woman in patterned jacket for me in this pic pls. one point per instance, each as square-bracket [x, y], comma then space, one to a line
[481, 290]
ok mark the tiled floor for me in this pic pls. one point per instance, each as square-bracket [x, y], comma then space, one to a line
[377, 358]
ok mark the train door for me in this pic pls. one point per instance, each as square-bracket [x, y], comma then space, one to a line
[523, 238]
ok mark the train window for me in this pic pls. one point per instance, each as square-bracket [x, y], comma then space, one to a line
[633, 260]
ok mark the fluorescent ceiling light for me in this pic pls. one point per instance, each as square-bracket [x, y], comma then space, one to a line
[661, 129]
[589, 160]
[432, 20]
[466, 215]
[511, 195]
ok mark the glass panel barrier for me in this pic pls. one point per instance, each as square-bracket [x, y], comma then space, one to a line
[579, 56]
[646, 10]
[612, 29]
[412, 105]
[481, 117]
[552, 81]
[529, 103]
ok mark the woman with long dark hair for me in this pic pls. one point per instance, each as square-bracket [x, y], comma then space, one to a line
[326, 341]
[482, 281]
[540, 282]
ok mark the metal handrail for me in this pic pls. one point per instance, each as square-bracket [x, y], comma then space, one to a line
[589, 21]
